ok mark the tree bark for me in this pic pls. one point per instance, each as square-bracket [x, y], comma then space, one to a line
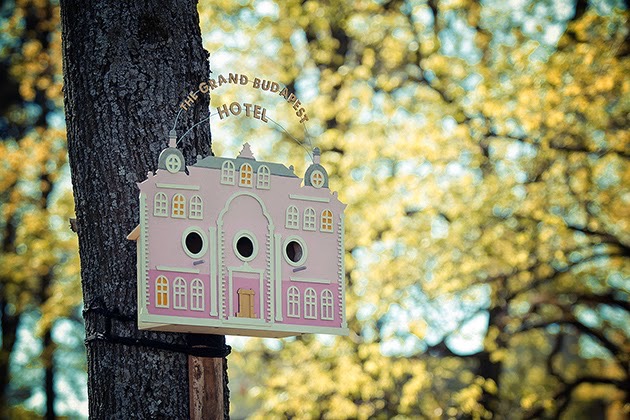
[127, 65]
[48, 360]
[487, 368]
[9, 324]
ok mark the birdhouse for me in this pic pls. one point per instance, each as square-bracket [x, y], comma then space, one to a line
[241, 247]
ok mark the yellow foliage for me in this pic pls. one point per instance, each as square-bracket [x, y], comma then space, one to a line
[493, 195]
[39, 268]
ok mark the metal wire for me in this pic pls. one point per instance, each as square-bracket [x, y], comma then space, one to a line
[308, 151]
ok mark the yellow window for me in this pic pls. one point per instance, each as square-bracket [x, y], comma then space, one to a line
[161, 292]
[179, 206]
[327, 221]
[246, 175]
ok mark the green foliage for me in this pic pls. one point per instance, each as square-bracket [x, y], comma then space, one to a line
[483, 152]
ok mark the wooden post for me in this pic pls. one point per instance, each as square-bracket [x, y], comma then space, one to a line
[205, 381]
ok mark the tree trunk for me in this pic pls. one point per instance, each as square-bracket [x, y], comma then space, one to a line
[127, 65]
[9, 325]
[489, 369]
[48, 361]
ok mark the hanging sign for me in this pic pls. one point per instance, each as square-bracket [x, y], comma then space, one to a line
[244, 80]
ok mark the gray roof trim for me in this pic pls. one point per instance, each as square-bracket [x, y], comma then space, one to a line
[214, 162]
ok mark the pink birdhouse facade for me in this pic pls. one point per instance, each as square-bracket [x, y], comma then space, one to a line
[241, 247]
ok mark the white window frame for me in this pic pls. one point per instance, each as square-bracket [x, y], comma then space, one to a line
[327, 305]
[310, 219]
[263, 177]
[183, 211]
[196, 207]
[293, 302]
[204, 238]
[302, 260]
[227, 173]
[197, 295]
[310, 303]
[173, 163]
[247, 169]
[160, 205]
[292, 217]
[326, 224]
[247, 234]
[180, 293]
[165, 291]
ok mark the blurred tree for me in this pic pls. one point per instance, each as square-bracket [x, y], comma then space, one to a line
[483, 150]
[38, 264]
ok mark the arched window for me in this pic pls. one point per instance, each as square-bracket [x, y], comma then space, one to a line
[263, 177]
[196, 295]
[327, 221]
[310, 303]
[293, 218]
[293, 302]
[327, 304]
[196, 207]
[310, 219]
[245, 179]
[180, 295]
[161, 292]
[227, 173]
[160, 205]
[179, 206]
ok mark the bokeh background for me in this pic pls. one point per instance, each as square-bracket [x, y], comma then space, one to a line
[483, 148]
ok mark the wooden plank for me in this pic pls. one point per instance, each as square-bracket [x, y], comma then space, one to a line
[205, 379]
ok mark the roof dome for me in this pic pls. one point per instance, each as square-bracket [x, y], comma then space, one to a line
[316, 176]
[172, 160]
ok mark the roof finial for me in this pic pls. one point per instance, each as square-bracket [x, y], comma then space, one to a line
[316, 155]
[172, 138]
[246, 152]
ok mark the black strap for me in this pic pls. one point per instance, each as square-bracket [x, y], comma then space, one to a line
[198, 345]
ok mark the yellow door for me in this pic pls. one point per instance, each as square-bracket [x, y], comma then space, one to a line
[246, 303]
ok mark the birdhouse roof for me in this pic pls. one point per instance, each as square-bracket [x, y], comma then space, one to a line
[217, 163]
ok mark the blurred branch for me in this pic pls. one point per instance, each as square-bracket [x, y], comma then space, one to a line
[613, 348]
[605, 237]
[581, 6]
[565, 395]
[557, 273]
[582, 149]
[605, 299]
[559, 147]
[557, 348]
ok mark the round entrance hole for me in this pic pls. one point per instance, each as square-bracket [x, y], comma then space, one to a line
[194, 242]
[294, 251]
[245, 247]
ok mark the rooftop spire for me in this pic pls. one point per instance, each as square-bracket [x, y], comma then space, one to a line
[172, 138]
[316, 155]
[246, 152]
